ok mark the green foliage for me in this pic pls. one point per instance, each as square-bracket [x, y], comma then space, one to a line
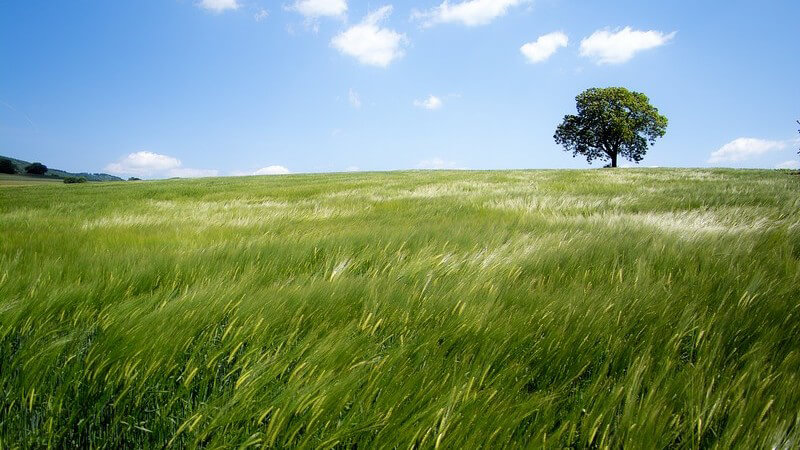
[134, 179]
[55, 173]
[36, 169]
[513, 309]
[611, 122]
[7, 166]
[72, 180]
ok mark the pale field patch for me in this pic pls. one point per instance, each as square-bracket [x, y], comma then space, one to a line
[671, 175]
[464, 190]
[20, 215]
[234, 214]
[559, 204]
[684, 223]
[511, 252]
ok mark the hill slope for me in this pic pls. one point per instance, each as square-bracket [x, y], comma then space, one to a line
[56, 173]
[603, 308]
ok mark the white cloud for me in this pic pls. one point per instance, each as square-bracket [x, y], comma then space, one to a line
[219, 6]
[791, 164]
[150, 164]
[353, 169]
[544, 47]
[430, 103]
[744, 148]
[437, 163]
[143, 163]
[468, 12]
[369, 43]
[314, 9]
[272, 170]
[619, 46]
[261, 14]
[354, 99]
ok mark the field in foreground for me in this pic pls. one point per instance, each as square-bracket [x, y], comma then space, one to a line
[602, 308]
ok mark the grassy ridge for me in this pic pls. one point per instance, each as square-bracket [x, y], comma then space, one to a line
[645, 308]
[53, 174]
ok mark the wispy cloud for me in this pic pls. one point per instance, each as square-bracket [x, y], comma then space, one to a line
[468, 12]
[219, 6]
[431, 103]
[27, 118]
[619, 46]
[354, 99]
[744, 148]
[544, 47]
[261, 14]
[369, 43]
[437, 163]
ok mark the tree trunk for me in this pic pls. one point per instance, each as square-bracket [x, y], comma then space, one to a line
[614, 159]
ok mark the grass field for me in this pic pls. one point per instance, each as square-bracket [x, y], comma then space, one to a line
[646, 308]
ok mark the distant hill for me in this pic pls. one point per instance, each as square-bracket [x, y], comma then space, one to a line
[56, 173]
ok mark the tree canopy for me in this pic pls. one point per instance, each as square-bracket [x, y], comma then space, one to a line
[36, 169]
[611, 122]
[7, 166]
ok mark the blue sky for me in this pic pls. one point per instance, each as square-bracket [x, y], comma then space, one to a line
[159, 88]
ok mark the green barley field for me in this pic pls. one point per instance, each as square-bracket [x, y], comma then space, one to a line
[644, 308]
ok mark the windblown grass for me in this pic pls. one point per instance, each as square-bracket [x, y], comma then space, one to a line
[604, 308]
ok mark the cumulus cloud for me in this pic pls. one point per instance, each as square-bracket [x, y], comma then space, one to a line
[469, 12]
[354, 99]
[219, 6]
[743, 148]
[314, 9]
[791, 164]
[150, 164]
[437, 163]
[272, 170]
[619, 46]
[544, 47]
[369, 43]
[430, 103]
[143, 163]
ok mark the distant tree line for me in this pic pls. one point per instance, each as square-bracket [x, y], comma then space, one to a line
[6, 166]
[36, 169]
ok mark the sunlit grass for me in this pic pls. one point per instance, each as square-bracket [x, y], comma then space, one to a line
[640, 308]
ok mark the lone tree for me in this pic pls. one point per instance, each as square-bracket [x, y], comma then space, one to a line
[6, 166]
[611, 122]
[36, 169]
